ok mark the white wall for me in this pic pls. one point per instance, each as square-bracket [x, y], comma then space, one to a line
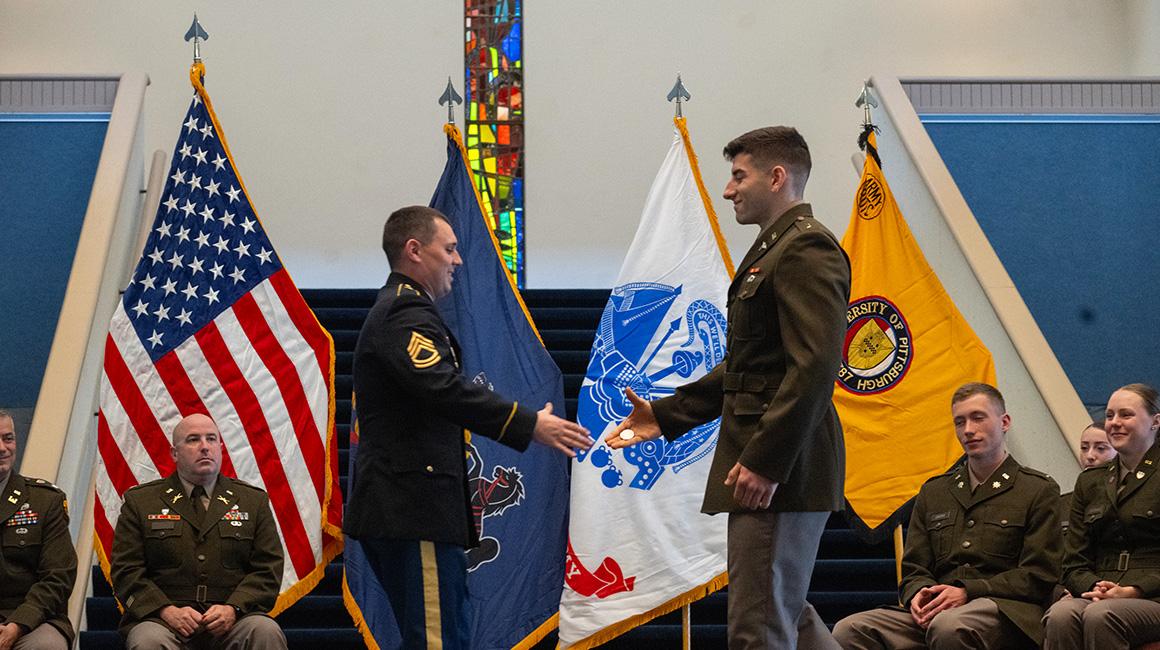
[1143, 18]
[599, 123]
[330, 107]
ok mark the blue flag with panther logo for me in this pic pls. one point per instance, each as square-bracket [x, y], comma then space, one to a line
[520, 500]
[638, 545]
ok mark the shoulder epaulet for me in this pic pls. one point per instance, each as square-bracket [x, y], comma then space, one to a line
[947, 473]
[146, 484]
[406, 289]
[41, 483]
[1034, 472]
[240, 483]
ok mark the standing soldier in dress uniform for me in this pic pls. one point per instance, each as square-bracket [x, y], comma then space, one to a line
[780, 459]
[409, 505]
[38, 564]
[982, 552]
[196, 558]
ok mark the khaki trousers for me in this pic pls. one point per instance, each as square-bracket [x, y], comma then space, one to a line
[976, 624]
[1102, 624]
[251, 632]
[44, 637]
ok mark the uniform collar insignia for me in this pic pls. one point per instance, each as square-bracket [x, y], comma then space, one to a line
[996, 485]
[223, 499]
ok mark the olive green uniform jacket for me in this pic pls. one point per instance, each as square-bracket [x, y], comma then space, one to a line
[38, 564]
[162, 555]
[1114, 534]
[1000, 542]
[774, 390]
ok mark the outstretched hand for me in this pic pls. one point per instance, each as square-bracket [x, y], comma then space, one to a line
[641, 423]
[558, 433]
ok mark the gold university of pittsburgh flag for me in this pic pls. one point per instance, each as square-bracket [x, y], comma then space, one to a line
[907, 349]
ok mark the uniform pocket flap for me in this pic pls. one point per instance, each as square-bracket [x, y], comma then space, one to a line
[749, 286]
[235, 529]
[938, 520]
[1007, 519]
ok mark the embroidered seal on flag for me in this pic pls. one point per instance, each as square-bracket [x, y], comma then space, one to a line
[878, 349]
[870, 199]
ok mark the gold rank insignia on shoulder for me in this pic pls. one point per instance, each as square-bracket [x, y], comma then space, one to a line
[422, 351]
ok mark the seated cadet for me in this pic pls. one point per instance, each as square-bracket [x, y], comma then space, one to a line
[196, 559]
[1111, 562]
[982, 550]
[38, 564]
[1094, 450]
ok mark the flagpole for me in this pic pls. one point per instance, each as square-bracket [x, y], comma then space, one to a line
[898, 554]
[677, 94]
[686, 627]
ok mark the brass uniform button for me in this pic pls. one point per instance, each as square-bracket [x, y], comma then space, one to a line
[970, 523]
[966, 543]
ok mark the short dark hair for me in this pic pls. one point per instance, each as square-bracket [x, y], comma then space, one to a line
[1147, 394]
[774, 145]
[412, 222]
[973, 388]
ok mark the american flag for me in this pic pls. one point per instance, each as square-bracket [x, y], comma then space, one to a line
[212, 323]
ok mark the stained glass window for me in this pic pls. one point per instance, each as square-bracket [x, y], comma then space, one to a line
[495, 119]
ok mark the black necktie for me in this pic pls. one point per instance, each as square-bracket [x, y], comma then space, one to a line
[198, 507]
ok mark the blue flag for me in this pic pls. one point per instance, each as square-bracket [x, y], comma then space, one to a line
[520, 501]
[363, 595]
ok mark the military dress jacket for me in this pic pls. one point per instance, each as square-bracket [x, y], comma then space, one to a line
[1113, 533]
[38, 564]
[413, 404]
[774, 389]
[164, 554]
[1000, 542]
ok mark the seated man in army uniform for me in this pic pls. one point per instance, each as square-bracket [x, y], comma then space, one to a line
[196, 559]
[982, 551]
[38, 564]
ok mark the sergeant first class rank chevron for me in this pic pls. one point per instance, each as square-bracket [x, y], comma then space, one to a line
[422, 351]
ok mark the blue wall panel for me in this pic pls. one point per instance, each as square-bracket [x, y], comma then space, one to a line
[1073, 211]
[46, 174]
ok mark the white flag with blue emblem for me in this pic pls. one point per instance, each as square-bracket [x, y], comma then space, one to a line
[639, 546]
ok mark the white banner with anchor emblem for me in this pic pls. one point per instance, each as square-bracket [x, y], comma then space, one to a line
[638, 545]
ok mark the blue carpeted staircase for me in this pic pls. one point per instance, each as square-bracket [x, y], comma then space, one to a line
[849, 576]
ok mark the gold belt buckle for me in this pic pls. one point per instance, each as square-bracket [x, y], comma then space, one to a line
[1122, 565]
